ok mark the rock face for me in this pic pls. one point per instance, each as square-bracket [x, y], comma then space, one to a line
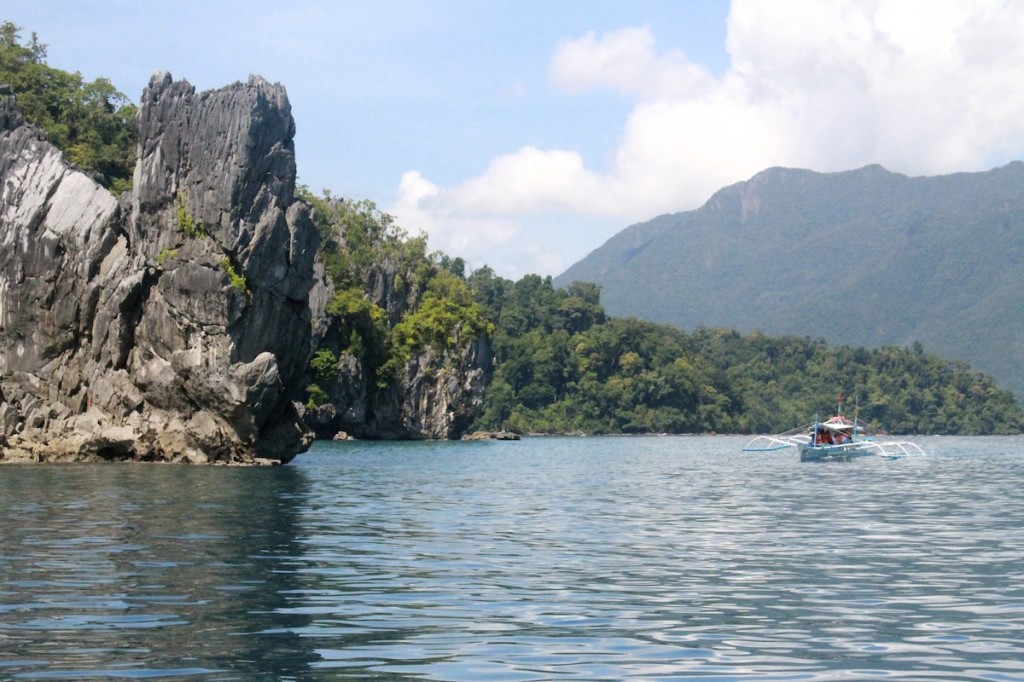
[437, 395]
[172, 325]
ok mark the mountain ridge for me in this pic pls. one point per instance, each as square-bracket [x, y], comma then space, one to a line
[903, 258]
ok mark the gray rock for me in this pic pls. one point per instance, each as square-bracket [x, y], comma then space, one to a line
[174, 325]
[491, 435]
[436, 395]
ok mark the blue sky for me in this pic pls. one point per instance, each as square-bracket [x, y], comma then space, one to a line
[524, 134]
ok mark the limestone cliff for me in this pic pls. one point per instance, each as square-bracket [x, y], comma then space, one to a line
[435, 395]
[172, 324]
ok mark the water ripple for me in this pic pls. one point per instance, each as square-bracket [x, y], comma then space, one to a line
[613, 558]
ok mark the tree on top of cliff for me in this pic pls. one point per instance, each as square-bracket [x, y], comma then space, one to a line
[355, 235]
[390, 297]
[92, 123]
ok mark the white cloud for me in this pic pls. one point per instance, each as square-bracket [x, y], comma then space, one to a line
[916, 86]
[481, 238]
[924, 87]
[531, 180]
[626, 61]
[421, 203]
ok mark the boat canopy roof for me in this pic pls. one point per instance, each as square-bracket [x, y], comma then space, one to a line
[837, 423]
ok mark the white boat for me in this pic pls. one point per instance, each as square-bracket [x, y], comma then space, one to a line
[836, 439]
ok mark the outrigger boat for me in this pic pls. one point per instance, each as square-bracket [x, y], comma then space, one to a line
[836, 439]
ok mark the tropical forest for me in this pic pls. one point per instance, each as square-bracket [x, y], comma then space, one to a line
[562, 365]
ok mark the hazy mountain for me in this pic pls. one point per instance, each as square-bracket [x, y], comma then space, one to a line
[864, 257]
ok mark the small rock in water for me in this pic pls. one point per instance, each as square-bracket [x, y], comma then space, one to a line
[491, 435]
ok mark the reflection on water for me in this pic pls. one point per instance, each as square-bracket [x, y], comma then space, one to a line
[558, 558]
[143, 571]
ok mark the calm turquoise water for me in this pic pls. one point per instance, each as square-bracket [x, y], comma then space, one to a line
[551, 558]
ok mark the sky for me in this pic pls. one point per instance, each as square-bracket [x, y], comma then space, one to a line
[522, 134]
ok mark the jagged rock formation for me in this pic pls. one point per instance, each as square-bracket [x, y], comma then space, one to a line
[172, 324]
[436, 396]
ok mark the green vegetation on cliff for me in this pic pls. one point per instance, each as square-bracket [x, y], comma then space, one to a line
[391, 299]
[563, 367]
[91, 122]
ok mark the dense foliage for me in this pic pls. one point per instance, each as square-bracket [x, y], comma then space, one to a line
[91, 122]
[390, 298]
[563, 367]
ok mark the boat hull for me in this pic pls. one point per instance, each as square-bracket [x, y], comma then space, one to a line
[834, 453]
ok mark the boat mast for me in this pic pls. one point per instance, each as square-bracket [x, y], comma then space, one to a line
[856, 413]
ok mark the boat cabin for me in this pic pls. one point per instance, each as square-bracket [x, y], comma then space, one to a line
[836, 431]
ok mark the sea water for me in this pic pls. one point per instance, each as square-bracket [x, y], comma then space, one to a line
[544, 559]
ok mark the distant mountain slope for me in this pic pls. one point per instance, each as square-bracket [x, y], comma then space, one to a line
[864, 257]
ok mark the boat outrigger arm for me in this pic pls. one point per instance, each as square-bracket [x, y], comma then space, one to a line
[781, 441]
